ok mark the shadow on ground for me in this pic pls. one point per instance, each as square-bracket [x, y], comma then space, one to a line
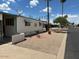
[5, 40]
[72, 45]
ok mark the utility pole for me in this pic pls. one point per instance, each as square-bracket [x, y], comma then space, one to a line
[48, 16]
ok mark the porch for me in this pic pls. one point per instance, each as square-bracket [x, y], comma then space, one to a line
[7, 27]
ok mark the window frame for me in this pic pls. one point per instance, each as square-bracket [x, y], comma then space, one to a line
[27, 23]
[9, 21]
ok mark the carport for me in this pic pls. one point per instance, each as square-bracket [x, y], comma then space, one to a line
[7, 26]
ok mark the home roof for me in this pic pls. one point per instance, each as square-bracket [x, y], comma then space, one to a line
[20, 16]
[8, 13]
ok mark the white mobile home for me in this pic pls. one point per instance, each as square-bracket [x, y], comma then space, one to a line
[13, 24]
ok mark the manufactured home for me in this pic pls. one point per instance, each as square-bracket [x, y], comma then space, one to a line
[13, 24]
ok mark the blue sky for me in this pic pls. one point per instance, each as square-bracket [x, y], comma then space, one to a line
[38, 9]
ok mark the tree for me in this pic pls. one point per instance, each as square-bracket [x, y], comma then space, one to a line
[62, 20]
[62, 2]
[66, 16]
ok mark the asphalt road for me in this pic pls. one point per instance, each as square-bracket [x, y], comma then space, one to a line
[72, 44]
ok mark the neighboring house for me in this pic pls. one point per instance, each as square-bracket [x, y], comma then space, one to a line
[55, 25]
[14, 24]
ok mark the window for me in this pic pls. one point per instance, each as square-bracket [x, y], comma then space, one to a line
[40, 24]
[35, 24]
[10, 21]
[27, 23]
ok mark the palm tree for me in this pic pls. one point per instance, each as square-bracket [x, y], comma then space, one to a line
[62, 2]
[48, 18]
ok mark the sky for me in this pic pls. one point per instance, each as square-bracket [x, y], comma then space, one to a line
[37, 8]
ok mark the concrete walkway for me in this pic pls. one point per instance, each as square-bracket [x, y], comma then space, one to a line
[8, 51]
[37, 47]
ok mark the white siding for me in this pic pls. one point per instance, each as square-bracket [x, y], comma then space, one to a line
[21, 28]
[20, 25]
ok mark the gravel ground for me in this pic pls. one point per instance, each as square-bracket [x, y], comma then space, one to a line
[44, 42]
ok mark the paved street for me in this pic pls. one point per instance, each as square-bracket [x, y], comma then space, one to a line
[72, 44]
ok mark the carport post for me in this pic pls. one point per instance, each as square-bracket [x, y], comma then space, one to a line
[1, 29]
